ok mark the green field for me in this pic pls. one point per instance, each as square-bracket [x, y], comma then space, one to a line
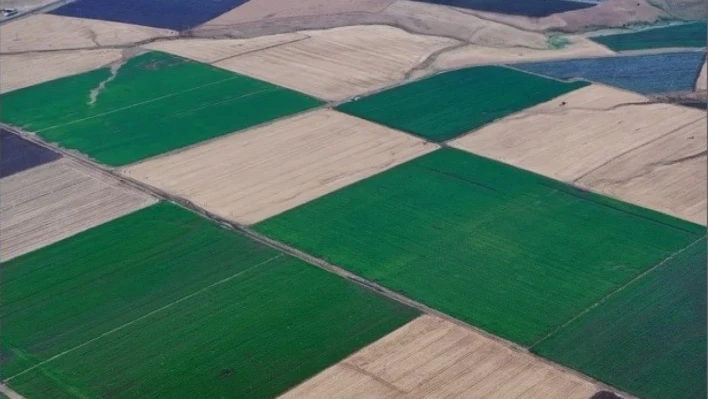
[162, 303]
[687, 35]
[156, 103]
[649, 339]
[508, 251]
[450, 104]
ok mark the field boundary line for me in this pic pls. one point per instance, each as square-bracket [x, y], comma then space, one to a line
[145, 316]
[616, 291]
[9, 392]
[312, 260]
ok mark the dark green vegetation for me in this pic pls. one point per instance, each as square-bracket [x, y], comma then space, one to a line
[164, 304]
[508, 251]
[450, 104]
[155, 103]
[688, 35]
[650, 338]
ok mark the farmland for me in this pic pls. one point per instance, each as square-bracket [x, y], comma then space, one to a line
[449, 104]
[17, 154]
[647, 74]
[245, 323]
[513, 241]
[122, 102]
[338, 63]
[702, 81]
[687, 35]
[434, 358]
[651, 336]
[610, 141]
[50, 32]
[54, 201]
[168, 14]
[529, 8]
[24, 70]
[262, 172]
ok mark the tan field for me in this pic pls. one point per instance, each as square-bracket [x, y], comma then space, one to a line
[213, 50]
[702, 81]
[431, 358]
[339, 63]
[250, 176]
[23, 70]
[51, 202]
[52, 32]
[582, 136]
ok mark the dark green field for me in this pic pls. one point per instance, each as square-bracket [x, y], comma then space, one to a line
[156, 103]
[513, 253]
[649, 339]
[450, 104]
[687, 35]
[164, 304]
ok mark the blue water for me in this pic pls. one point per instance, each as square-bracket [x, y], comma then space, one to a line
[529, 8]
[178, 15]
[18, 154]
[646, 74]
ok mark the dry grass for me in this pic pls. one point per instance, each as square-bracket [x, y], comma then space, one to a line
[51, 202]
[702, 81]
[579, 136]
[433, 358]
[253, 175]
[212, 50]
[51, 32]
[23, 70]
[338, 63]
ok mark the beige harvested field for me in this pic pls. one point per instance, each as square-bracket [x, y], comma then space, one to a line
[433, 358]
[52, 32]
[338, 63]
[23, 70]
[213, 50]
[264, 10]
[51, 202]
[702, 81]
[250, 176]
[582, 136]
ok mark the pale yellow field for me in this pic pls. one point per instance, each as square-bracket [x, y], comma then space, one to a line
[211, 50]
[51, 202]
[702, 81]
[23, 70]
[338, 63]
[597, 128]
[250, 176]
[431, 358]
[52, 32]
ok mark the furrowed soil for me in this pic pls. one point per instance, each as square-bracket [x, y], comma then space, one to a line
[18, 154]
[529, 252]
[447, 105]
[49, 203]
[154, 103]
[162, 303]
[434, 358]
[650, 338]
[257, 174]
[338, 63]
[51, 32]
[610, 141]
[688, 35]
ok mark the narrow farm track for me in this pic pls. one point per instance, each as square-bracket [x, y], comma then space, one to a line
[5, 390]
[301, 255]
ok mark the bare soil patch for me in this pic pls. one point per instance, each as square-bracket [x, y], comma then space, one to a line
[702, 81]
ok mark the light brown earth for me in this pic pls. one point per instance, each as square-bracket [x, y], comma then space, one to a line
[338, 63]
[250, 176]
[52, 32]
[582, 136]
[23, 70]
[211, 50]
[431, 358]
[48, 203]
[702, 81]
